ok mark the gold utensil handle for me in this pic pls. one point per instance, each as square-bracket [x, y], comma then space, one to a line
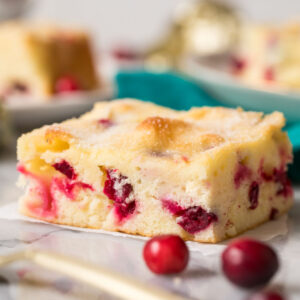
[106, 280]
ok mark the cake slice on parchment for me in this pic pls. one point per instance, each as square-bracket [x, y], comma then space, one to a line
[206, 174]
[42, 60]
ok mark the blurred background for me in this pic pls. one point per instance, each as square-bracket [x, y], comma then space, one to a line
[141, 22]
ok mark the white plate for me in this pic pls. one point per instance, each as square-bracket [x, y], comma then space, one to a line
[25, 113]
[230, 91]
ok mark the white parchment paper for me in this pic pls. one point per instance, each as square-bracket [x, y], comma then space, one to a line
[264, 232]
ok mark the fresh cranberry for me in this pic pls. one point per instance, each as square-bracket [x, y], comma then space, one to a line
[118, 189]
[66, 84]
[192, 219]
[166, 254]
[65, 168]
[253, 195]
[249, 263]
[266, 296]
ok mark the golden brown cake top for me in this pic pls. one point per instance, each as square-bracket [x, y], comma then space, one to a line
[144, 128]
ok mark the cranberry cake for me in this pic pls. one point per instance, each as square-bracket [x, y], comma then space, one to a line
[41, 60]
[205, 174]
[268, 56]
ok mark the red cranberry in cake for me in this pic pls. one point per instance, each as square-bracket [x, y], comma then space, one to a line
[284, 184]
[249, 263]
[242, 173]
[65, 168]
[195, 219]
[280, 178]
[267, 295]
[253, 194]
[166, 254]
[67, 187]
[158, 171]
[192, 219]
[46, 207]
[118, 189]
[172, 207]
[66, 84]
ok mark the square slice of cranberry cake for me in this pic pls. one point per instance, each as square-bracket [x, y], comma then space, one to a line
[206, 174]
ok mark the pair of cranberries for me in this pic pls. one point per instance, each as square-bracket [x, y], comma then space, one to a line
[247, 263]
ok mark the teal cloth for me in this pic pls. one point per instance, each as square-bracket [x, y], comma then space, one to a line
[174, 91]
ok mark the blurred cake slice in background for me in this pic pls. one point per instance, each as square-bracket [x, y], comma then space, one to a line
[41, 60]
[269, 56]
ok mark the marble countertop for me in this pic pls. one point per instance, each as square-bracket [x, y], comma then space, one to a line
[202, 279]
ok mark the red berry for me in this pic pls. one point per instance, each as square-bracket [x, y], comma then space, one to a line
[166, 254]
[66, 84]
[249, 263]
[266, 296]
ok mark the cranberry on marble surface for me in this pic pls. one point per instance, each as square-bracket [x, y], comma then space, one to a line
[268, 295]
[66, 84]
[65, 168]
[249, 263]
[166, 254]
